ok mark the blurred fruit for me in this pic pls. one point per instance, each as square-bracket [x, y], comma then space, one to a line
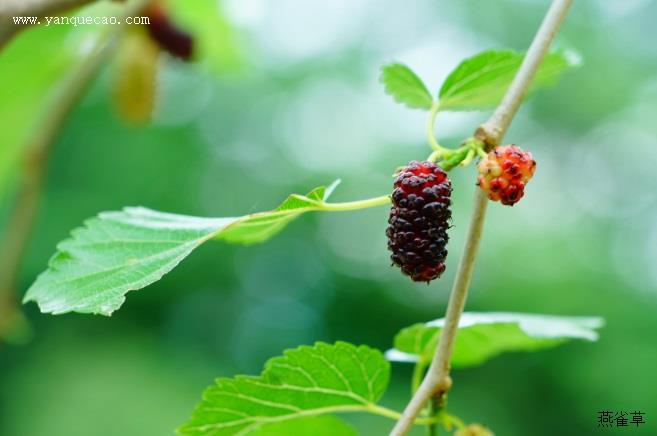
[135, 76]
[474, 430]
[167, 34]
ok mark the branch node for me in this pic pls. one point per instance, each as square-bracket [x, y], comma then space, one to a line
[489, 134]
[443, 386]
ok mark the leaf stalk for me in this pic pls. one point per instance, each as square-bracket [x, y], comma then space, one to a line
[355, 205]
[431, 137]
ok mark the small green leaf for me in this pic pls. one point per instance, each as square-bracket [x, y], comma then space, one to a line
[323, 192]
[405, 86]
[480, 82]
[118, 252]
[482, 336]
[306, 381]
[262, 226]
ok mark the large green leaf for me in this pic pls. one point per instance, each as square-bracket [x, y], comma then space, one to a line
[405, 86]
[480, 82]
[118, 252]
[114, 253]
[323, 425]
[306, 381]
[482, 336]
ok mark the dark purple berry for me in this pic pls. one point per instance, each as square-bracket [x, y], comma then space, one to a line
[419, 219]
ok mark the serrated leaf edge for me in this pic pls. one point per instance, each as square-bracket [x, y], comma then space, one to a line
[366, 405]
[423, 91]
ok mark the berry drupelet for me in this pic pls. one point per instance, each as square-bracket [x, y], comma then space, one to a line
[504, 173]
[419, 219]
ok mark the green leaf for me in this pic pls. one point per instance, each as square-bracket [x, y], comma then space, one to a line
[114, 253]
[325, 425]
[262, 226]
[405, 86]
[482, 336]
[118, 252]
[306, 381]
[480, 82]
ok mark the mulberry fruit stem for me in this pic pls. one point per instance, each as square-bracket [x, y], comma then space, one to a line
[468, 158]
[464, 155]
[437, 381]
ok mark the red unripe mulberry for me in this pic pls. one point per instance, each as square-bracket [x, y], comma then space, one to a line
[419, 219]
[504, 173]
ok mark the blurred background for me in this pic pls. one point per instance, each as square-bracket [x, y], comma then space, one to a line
[285, 97]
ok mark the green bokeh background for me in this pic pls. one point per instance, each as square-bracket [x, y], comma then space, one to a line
[296, 105]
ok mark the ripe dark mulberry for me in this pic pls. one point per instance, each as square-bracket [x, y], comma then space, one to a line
[504, 173]
[418, 223]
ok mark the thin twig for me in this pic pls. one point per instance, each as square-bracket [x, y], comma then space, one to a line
[30, 8]
[437, 380]
[36, 7]
[22, 216]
